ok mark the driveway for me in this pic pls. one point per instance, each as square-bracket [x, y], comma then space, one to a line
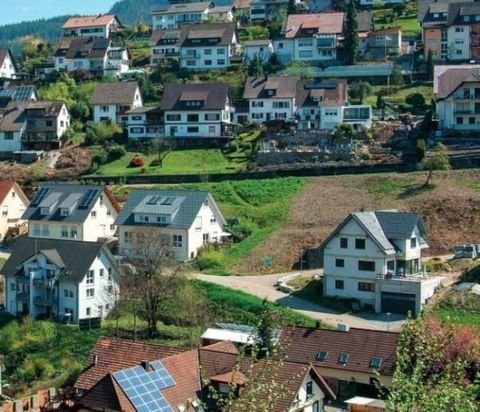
[263, 287]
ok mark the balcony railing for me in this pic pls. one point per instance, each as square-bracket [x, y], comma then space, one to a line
[41, 301]
[416, 277]
[42, 283]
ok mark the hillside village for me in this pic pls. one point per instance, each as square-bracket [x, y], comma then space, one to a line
[254, 205]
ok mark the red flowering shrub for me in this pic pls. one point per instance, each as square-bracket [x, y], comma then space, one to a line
[137, 161]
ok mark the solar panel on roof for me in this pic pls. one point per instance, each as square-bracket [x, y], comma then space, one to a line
[143, 388]
[153, 200]
[100, 45]
[168, 201]
[39, 196]
[88, 198]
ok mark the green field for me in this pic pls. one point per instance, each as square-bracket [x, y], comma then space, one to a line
[396, 95]
[409, 24]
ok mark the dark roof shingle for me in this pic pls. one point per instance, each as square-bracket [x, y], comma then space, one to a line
[213, 95]
[115, 93]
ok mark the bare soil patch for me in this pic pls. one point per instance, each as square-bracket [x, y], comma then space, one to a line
[450, 208]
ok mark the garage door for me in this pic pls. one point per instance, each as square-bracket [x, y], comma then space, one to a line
[398, 303]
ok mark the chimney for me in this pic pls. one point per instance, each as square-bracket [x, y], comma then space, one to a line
[95, 360]
[343, 327]
[146, 365]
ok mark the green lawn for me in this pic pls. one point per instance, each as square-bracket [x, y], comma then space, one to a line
[190, 161]
[409, 24]
[254, 209]
[396, 95]
[462, 309]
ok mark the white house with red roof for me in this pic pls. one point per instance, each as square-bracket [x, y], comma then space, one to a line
[101, 25]
[13, 203]
[310, 37]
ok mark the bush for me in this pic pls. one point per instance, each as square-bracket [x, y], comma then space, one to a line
[100, 156]
[91, 138]
[137, 161]
[116, 152]
[415, 100]
[155, 162]
[210, 259]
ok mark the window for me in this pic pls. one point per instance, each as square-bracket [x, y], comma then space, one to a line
[192, 118]
[207, 52]
[45, 230]
[90, 277]
[104, 109]
[459, 120]
[90, 293]
[109, 274]
[213, 219]
[257, 104]
[220, 51]
[208, 62]
[192, 129]
[221, 62]
[413, 242]
[174, 117]
[366, 265]
[8, 135]
[64, 211]
[205, 238]
[94, 213]
[12, 287]
[70, 293]
[366, 287]
[339, 284]
[136, 117]
[5, 211]
[101, 273]
[88, 311]
[339, 263]
[36, 229]
[458, 29]
[322, 356]
[309, 388]
[126, 237]
[344, 242]
[359, 243]
[64, 231]
[471, 120]
[73, 232]
[65, 293]
[212, 116]
[343, 358]
[177, 241]
[376, 362]
[391, 265]
[48, 123]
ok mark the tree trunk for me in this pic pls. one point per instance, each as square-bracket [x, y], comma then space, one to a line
[429, 177]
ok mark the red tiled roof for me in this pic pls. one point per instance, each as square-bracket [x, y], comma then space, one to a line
[115, 354]
[224, 346]
[324, 23]
[302, 345]
[6, 186]
[88, 21]
[236, 377]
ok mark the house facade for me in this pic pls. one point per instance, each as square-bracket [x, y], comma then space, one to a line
[144, 122]
[102, 25]
[13, 128]
[71, 281]
[458, 104]
[95, 55]
[202, 110]
[258, 49]
[376, 257]
[191, 220]
[13, 203]
[310, 37]
[382, 43]
[175, 14]
[46, 124]
[265, 9]
[111, 101]
[68, 211]
[8, 69]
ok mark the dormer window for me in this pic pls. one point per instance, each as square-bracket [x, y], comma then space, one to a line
[44, 211]
[270, 92]
[64, 211]
[413, 243]
[162, 219]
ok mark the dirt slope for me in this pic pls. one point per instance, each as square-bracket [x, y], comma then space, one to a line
[451, 211]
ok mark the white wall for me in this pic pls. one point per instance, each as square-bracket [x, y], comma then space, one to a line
[7, 69]
[12, 145]
[458, 47]
[102, 112]
[198, 58]
[305, 403]
[206, 128]
[263, 53]
[267, 108]
[11, 211]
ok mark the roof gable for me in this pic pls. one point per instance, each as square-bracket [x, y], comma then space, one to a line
[89, 21]
[115, 93]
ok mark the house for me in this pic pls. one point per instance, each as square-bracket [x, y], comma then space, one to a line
[102, 25]
[116, 368]
[258, 49]
[13, 203]
[365, 28]
[164, 45]
[95, 55]
[17, 93]
[191, 218]
[344, 355]
[50, 278]
[266, 9]
[382, 43]
[450, 30]
[221, 14]
[8, 69]
[271, 98]
[208, 46]
[376, 257]
[69, 211]
[12, 129]
[144, 122]
[201, 110]
[458, 91]
[175, 14]
[104, 383]
[111, 101]
[46, 124]
[310, 37]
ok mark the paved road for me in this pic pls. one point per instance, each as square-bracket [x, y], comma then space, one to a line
[263, 287]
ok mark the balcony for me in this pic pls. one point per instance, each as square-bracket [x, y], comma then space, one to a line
[23, 296]
[42, 283]
[41, 301]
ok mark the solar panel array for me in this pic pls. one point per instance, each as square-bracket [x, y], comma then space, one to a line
[39, 196]
[88, 198]
[143, 388]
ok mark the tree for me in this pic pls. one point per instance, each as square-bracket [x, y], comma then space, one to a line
[300, 69]
[430, 65]
[416, 100]
[381, 102]
[437, 160]
[161, 147]
[155, 276]
[292, 7]
[360, 90]
[344, 130]
[396, 77]
[351, 35]
[255, 68]
[436, 368]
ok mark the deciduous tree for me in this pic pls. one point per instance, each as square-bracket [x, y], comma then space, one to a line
[436, 160]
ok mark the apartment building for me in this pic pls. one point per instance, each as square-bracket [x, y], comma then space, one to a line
[175, 14]
[102, 25]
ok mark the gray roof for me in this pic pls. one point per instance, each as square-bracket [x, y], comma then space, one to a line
[115, 93]
[79, 199]
[383, 226]
[184, 207]
[82, 47]
[74, 257]
[213, 96]
[184, 8]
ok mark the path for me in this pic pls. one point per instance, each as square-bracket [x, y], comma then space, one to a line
[263, 286]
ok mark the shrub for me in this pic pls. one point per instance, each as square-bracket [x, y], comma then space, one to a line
[137, 161]
[155, 162]
[116, 152]
[210, 259]
[415, 100]
[91, 137]
[100, 156]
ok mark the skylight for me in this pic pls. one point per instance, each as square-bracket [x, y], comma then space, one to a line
[322, 356]
[343, 358]
[376, 362]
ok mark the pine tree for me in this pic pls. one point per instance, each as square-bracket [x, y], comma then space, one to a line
[351, 35]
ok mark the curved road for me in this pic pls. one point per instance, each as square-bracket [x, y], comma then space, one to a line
[263, 286]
